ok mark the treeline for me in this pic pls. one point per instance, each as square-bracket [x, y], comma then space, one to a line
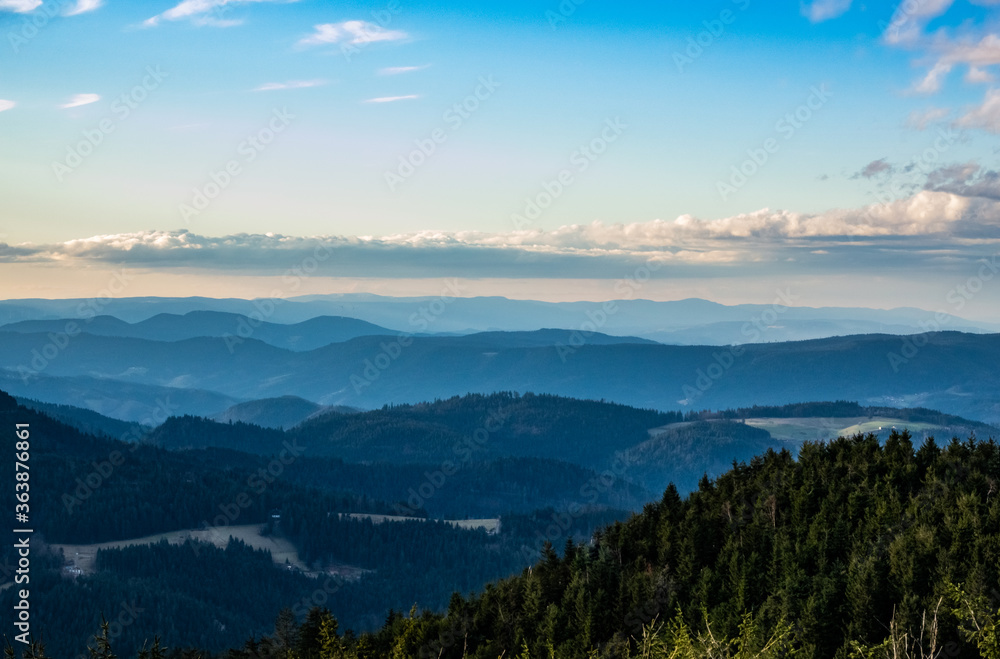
[854, 549]
[87, 489]
[850, 549]
[481, 427]
[841, 409]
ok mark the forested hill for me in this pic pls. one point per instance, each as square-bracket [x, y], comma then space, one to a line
[845, 551]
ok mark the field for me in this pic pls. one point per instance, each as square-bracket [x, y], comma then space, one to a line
[801, 429]
[491, 525]
[84, 556]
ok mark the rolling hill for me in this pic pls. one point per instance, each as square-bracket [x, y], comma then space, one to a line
[949, 371]
[307, 335]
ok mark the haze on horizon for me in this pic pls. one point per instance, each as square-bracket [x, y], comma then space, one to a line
[534, 151]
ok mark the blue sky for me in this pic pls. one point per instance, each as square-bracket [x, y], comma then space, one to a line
[887, 175]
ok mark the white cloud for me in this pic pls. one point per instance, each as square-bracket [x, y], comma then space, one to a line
[81, 99]
[908, 231]
[978, 76]
[907, 23]
[921, 119]
[984, 52]
[931, 84]
[19, 6]
[83, 6]
[950, 53]
[967, 45]
[350, 32]
[291, 84]
[396, 70]
[6, 105]
[204, 12]
[986, 115]
[392, 99]
[824, 10]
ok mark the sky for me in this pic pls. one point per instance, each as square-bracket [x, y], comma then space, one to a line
[547, 150]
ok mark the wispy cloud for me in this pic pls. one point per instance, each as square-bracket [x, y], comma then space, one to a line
[908, 21]
[204, 12]
[83, 6]
[921, 119]
[823, 10]
[6, 105]
[291, 84]
[978, 76]
[975, 47]
[874, 168]
[81, 99]
[986, 115]
[350, 32]
[396, 70]
[931, 83]
[393, 99]
[19, 6]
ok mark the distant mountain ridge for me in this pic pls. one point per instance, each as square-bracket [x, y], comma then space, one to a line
[281, 413]
[690, 321]
[949, 371]
[306, 335]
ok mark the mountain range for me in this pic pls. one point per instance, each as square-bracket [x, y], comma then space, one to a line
[690, 321]
[950, 371]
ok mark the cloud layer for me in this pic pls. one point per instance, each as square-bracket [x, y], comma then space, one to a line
[956, 220]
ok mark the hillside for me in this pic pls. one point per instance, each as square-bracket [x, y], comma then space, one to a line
[280, 413]
[91, 490]
[307, 335]
[950, 371]
[852, 549]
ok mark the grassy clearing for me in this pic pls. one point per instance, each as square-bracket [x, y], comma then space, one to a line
[491, 525]
[84, 556]
[824, 428]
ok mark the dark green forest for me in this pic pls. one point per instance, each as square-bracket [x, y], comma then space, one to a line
[849, 548]
[852, 550]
